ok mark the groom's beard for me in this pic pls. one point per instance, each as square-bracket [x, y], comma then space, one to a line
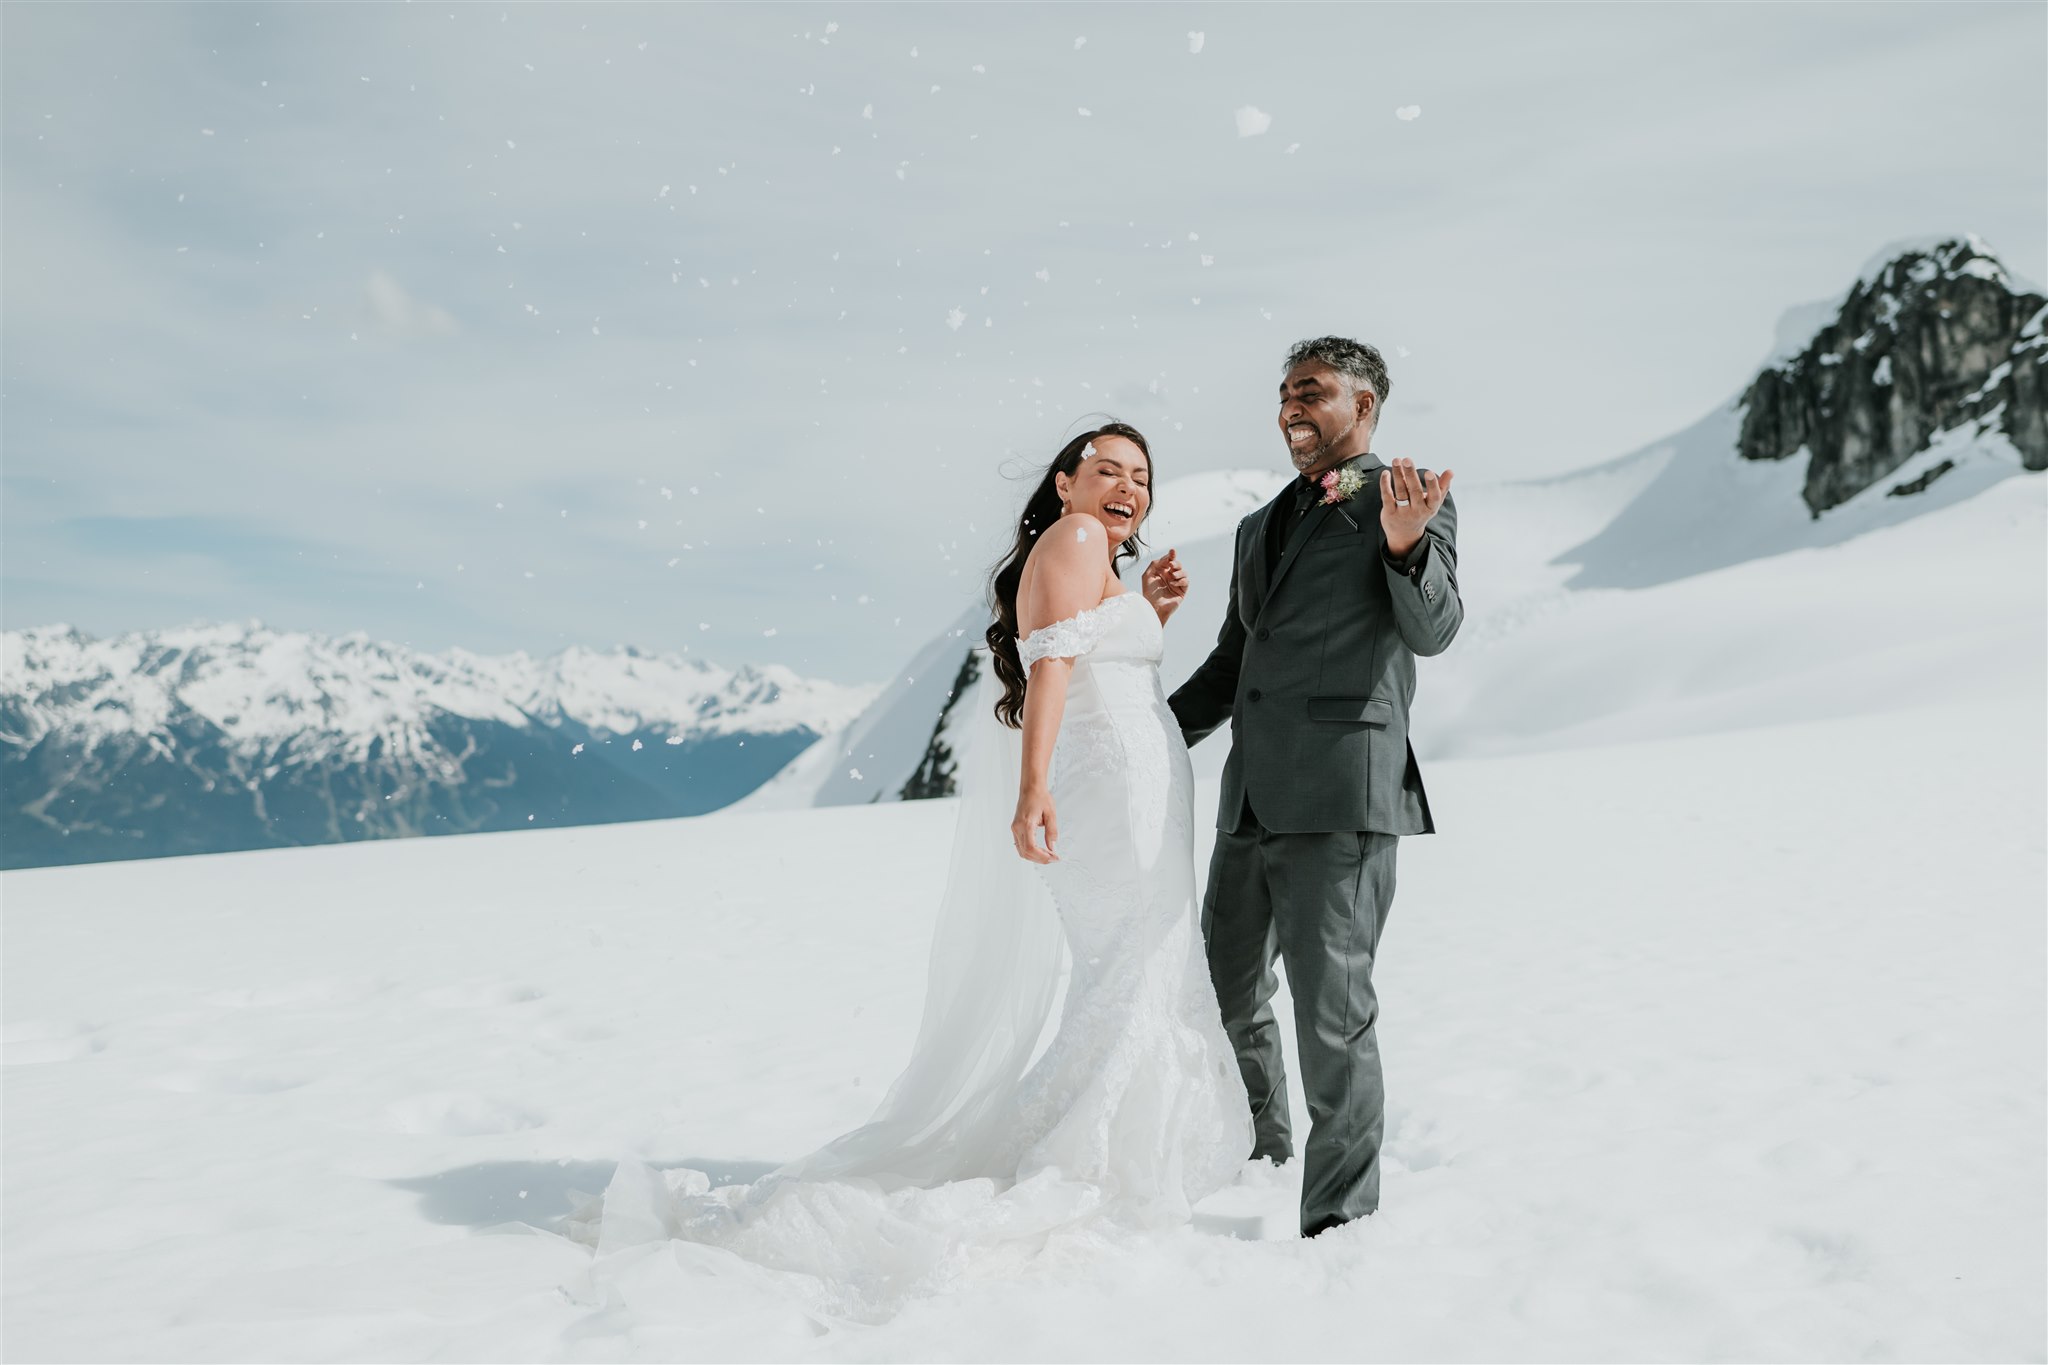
[1306, 458]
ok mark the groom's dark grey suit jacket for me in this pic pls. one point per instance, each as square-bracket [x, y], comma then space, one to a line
[1315, 668]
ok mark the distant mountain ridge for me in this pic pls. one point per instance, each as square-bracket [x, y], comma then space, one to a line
[218, 737]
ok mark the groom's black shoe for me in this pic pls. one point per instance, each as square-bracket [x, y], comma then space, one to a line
[1323, 1225]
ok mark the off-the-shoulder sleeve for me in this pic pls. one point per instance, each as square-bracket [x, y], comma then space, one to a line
[1068, 639]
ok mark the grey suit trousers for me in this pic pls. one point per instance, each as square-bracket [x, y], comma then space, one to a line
[1317, 902]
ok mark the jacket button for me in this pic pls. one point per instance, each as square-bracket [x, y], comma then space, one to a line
[1253, 695]
[1265, 634]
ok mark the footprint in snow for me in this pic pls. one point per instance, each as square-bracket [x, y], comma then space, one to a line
[38, 1042]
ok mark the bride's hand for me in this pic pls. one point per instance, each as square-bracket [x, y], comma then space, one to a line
[1166, 584]
[1035, 811]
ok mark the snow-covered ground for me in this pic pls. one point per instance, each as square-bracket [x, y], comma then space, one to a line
[1713, 1033]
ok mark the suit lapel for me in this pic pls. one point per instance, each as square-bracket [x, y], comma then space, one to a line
[1261, 519]
[1310, 523]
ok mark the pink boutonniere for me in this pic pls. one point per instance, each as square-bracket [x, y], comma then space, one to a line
[1340, 485]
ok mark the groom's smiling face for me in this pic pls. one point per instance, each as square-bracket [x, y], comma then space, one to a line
[1323, 420]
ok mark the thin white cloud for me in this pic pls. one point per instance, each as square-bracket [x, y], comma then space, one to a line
[400, 314]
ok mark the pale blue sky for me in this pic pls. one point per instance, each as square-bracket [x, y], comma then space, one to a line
[402, 318]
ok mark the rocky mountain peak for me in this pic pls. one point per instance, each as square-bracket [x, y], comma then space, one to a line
[1931, 338]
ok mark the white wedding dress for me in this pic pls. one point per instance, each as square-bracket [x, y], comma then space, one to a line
[1132, 1112]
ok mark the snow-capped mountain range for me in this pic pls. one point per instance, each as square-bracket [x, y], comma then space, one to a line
[214, 737]
[1917, 387]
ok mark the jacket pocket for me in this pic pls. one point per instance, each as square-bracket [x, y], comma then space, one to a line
[1355, 710]
[1337, 535]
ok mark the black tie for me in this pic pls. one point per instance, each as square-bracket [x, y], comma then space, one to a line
[1285, 518]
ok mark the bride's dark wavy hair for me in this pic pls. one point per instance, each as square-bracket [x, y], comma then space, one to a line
[1041, 510]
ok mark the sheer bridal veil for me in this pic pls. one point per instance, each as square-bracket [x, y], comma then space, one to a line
[994, 969]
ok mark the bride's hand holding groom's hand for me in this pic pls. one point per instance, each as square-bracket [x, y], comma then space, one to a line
[1165, 584]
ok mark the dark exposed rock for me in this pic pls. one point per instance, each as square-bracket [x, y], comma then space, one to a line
[1936, 340]
[1919, 485]
[938, 771]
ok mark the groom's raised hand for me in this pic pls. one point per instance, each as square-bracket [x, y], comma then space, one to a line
[1166, 584]
[1408, 499]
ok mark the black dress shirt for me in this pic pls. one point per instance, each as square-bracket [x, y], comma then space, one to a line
[1289, 513]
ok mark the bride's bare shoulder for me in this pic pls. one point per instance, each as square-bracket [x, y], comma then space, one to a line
[1075, 538]
[1064, 572]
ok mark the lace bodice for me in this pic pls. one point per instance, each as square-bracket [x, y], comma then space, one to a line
[1107, 630]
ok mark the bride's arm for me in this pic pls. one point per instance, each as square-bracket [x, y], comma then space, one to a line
[1045, 699]
[1071, 557]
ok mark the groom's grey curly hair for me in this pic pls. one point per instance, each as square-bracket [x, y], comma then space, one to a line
[1361, 365]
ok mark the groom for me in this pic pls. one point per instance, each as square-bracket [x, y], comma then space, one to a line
[1336, 586]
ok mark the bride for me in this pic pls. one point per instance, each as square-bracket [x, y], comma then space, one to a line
[1134, 1110]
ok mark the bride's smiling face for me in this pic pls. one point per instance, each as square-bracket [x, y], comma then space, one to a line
[1113, 484]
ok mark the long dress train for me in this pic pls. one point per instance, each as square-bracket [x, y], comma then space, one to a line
[1133, 1112]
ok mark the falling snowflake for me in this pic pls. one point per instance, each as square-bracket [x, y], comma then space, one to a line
[637, 746]
[954, 317]
[1252, 121]
[1195, 40]
[575, 751]
[1407, 113]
